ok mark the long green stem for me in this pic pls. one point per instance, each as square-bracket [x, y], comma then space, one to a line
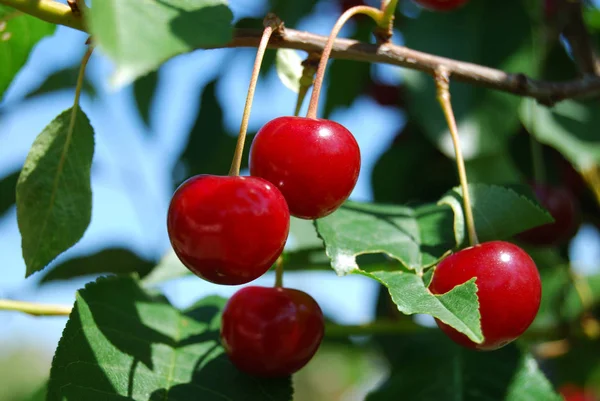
[34, 309]
[442, 80]
[239, 148]
[389, 9]
[371, 12]
[279, 272]
[49, 11]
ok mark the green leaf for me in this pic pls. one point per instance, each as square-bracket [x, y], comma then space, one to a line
[121, 343]
[139, 35]
[499, 212]
[429, 367]
[169, 268]
[571, 127]
[417, 238]
[111, 260]
[459, 307]
[289, 68]
[19, 33]
[143, 91]
[486, 118]
[61, 80]
[8, 189]
[54, 195]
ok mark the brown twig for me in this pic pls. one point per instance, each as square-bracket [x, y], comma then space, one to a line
[545, 92]
[512, 82]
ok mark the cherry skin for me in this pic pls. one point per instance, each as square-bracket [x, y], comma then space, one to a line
[509, 290]
[441, 5]
[572, 392]
[228, 230]
[271, 332]
[314, 163]
[564, 209]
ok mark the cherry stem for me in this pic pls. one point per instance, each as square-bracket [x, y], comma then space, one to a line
[279, 272]
[35, 309]
[260, 52]
[79, 87]
[442, 81]
[372, 12]
[389, 9]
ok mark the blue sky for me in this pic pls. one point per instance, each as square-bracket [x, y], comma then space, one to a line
[132, 168]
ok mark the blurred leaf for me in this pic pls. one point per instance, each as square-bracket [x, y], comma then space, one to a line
[485, 118]
[458, 307]
[209, 149]
[412, 170]
[499, 212]
[580, 365]
[150, 32]
[54, 195]
[111, 260]
[291, 12]
[120, 343]
[61, 80]
[289, 68]
[19, 33]
[143, 92]
[8, 189]
[169, 267]
[571, 127]
[429, 367]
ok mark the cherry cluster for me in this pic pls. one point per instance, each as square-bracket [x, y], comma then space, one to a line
[230, 230]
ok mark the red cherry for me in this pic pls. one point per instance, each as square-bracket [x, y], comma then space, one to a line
[314, 162]
[228, 230]
[509, 290]
[564, 209]
[572, 392]
[441, 5]
[385, 95]
[271, 332]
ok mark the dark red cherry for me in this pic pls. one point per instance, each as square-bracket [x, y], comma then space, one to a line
[441, 5]
[314, 163]
[509, 290]
[384, 94]
[564, 209]
[228, 230]
[271, 332]
[572, 392]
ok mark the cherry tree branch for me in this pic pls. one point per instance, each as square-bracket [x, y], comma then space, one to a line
[545, 92]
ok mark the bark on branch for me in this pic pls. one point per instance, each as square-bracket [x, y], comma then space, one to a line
[519, 84]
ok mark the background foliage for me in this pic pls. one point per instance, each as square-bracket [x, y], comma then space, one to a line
[149, 333]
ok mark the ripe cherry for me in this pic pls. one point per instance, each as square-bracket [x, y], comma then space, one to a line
[509, 290]
[564, 209]
[271, 332]
[572, 392]
[314, 162]
[441, 5]
[228, 230]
